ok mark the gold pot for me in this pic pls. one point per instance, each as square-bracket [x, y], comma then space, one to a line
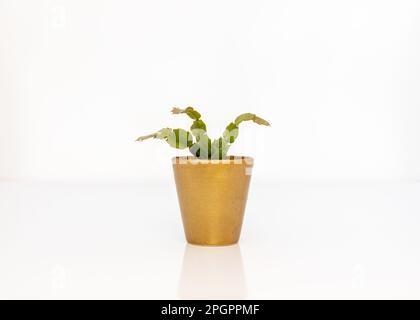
[212, 197]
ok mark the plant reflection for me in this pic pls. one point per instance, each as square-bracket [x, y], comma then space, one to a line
[212, 273]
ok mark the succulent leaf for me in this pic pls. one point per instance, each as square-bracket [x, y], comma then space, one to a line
[161, 134]
[251, 117]
[195, 150]
[202, 148]
[149, 136]
[193, 114]
[180, 139]
[231, 132]
[198, 128]
[219, 149]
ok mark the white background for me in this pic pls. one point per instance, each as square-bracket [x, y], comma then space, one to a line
[338, 80]
[333, 209]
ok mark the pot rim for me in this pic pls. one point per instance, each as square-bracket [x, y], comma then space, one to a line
[180, 160]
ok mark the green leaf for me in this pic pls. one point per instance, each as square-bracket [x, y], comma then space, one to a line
[202, 149]
[198, 128]
[161, 134]
[193, 114]
[219, 149]
[149, 136]
[195, 150]
[251, 117]
[180, 139]
[231, 133]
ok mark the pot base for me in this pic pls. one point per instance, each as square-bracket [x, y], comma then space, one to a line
[212, 245]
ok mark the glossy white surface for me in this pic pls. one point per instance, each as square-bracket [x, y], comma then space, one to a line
[125, 240]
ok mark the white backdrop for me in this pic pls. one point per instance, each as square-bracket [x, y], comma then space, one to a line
[338, 80]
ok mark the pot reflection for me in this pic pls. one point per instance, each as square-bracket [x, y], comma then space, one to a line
[212, 273]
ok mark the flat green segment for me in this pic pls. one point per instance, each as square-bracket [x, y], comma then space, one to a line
[251, 117]
[161, 134]
[202, 148]
[198, 128]
[219, 149]
[206, 149]
[177, 138]
[193, 114]
[149, 136]
[180, 139]
[231, 133]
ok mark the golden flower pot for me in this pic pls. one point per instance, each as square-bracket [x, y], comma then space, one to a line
[212, 196]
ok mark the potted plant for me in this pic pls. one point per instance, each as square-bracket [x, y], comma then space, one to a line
[212, 187]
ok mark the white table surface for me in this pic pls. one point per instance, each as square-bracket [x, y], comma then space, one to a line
[125, 241]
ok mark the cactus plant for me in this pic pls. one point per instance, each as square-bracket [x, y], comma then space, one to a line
[197, 140]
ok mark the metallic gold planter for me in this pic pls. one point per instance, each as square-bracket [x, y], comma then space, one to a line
[212, 197]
